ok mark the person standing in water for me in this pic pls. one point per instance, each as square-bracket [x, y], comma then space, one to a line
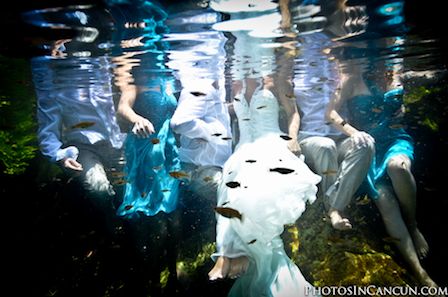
[265, 184]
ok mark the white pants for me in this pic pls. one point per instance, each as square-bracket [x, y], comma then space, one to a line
[341, 164]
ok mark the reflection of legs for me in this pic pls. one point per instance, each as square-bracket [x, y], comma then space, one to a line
[395, 226]
[354, 164]
[399, 170]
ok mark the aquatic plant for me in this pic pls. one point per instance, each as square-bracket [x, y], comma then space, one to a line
[327, 257]
[17, 123]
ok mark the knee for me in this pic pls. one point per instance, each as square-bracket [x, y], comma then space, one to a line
[327, 146]
[367, 150]
[96, 181]
[398, 165]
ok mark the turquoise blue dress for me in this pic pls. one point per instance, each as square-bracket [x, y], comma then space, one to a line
[376, 114]
[149, 187]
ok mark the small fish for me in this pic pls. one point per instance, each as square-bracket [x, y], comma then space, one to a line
[119, 182]
[155, 141]
[281, 170]
[217, 134]
[377, 110]
[128, 207]
[329, 172]
[226, 138]
[233, 184]
[262, 106]
[89, 254]
[207, 179]
[251, 161]
[83, 125]
[117, 174]
[143, 194]
[245, 119]
[252, 241]
[157, 167]
[165, 190]
[228, 212]
[197, 94]
[236, 99]
[178, 174]
[285, 137]
[396, 126]
[363, 201]
[290, 96]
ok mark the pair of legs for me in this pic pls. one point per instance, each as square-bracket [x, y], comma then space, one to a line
[397, 205]
[97, 160]
[342, 166]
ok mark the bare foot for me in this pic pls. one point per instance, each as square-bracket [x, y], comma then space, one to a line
[424, 278]
[420, 243]
[337, 221]
[238, 266]
[220, 270]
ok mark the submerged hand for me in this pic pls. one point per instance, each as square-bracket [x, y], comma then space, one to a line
[72, 164]
[361, 139]
[143, 128]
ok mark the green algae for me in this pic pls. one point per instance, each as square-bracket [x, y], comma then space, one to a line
[18, 145]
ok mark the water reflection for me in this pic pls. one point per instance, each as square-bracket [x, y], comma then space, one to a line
[76, 114]
[167, 112]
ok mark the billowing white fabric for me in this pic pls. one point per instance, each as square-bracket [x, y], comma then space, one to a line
[273, 188]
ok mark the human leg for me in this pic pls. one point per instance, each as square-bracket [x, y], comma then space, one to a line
[98, 190]
[94, 175]
[322, 156]
[396, 228]
[354, 164]
[403, 182]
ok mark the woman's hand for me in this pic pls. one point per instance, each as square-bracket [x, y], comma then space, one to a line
[143, 128]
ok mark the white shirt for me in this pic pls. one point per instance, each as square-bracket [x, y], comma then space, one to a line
[74, 104]
[315, 81]
[203, 122]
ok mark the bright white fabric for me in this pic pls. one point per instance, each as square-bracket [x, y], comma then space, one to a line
[266, 199]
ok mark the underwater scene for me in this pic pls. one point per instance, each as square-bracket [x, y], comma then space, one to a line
[224, 148]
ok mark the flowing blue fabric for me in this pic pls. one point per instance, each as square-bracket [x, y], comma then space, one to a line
[379, 115]
[150, 188]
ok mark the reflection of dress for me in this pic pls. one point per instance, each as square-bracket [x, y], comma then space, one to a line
[377, 115]
[150, 188]
[269, 186]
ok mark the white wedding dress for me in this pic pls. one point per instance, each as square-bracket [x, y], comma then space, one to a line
[268, 186]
